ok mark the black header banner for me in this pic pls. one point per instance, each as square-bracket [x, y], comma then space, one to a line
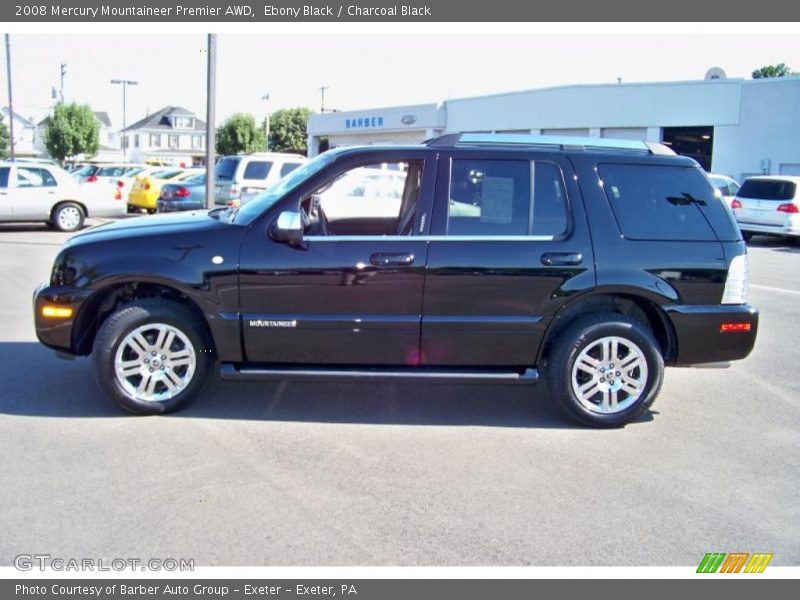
[410, 11]
[386, 589]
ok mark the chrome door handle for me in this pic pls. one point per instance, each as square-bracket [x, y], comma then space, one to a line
[391, 259]
[562, 258]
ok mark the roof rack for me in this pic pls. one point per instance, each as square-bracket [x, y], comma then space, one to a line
[563, 142]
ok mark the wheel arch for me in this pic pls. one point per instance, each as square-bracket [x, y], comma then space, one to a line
[107, 300]
[639, 304]
[81, 205]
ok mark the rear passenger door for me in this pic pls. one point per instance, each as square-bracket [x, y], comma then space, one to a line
[34, 194]
[509, 245]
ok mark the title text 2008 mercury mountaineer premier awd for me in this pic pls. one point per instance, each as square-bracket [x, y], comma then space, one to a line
[591, 263]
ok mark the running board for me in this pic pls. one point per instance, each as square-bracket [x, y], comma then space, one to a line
[232, 372]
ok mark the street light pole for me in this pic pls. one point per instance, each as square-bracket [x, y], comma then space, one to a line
[10, 97]
[322, 92]
[211, 97]
[265, 98]
[124, 83]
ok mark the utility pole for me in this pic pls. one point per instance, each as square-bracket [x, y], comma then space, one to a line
[265, 98]
[63, 73]
[211, 94]
[124, 137]
[10, 96]
[322, 91]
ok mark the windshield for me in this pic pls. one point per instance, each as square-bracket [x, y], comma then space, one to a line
[167, 174]
[267, 198]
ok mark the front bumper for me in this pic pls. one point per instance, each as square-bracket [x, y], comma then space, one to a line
[57, 332]
[700, 335]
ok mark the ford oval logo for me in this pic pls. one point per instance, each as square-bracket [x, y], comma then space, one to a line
[408, 119]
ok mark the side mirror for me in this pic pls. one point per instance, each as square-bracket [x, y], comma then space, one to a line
[288, 228]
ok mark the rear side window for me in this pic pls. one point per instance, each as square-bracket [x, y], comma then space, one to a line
[257, 169]
[288, 168]
[506, 198]
[32, 177]
[653, 202]
[764, 189]
[111, 171]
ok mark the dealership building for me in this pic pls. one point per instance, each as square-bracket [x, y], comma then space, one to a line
[736, 127]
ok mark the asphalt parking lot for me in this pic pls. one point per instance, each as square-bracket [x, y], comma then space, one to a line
[313, 474]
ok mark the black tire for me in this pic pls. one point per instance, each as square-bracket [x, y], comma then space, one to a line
[581, 334]
[747, 236]
[64, 224]
[139, 313]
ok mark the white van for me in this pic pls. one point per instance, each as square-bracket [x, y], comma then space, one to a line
[241, 176]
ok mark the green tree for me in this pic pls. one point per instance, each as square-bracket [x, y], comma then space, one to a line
[287, 130]
[779, 70]
[72, 129]
[239, 133]
[5, 139]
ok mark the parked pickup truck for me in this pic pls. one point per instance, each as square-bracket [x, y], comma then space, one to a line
[589, 263]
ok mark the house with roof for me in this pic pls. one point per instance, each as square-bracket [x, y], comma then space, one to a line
[24, 134]
[173, 135]
[109, 150]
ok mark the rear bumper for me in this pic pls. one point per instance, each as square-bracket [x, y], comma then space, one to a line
[700, 335]
[164, 206]
[56, 332]
[789, 228]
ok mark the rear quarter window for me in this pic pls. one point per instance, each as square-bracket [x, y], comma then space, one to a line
[656, 202]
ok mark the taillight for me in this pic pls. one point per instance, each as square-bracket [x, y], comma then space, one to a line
[736, 283]
[789, 208]
[182, 192]
[117, 194]
[120, 183]
[91, 179]
[146, 185]
[735, 204]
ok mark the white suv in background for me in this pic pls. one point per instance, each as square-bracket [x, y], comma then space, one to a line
[240, 177]
[768, 204]
[48, 194]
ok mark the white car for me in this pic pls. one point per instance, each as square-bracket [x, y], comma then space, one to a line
[240, 177]
[40, 192]
[727, 186]
[768, 204]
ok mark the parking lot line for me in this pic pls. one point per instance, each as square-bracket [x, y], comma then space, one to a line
[774, 289]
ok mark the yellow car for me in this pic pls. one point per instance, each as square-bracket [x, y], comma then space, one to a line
[146, 189]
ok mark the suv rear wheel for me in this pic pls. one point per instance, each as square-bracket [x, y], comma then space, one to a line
[152, 356]
[605, 370]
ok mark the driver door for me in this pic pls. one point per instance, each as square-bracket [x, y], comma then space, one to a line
[351, 294]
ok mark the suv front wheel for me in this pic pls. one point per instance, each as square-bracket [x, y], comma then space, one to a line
[605, 370]
[152, 356]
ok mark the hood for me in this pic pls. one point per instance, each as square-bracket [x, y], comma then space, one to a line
[139, 227]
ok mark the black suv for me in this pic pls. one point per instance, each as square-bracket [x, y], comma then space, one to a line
[471, 258]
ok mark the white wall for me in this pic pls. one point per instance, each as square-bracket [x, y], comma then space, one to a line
[769, 129]
[601, 106]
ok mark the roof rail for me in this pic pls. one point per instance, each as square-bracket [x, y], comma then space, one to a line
[563, 142]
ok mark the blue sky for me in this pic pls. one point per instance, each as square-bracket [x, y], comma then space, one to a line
[361, 70]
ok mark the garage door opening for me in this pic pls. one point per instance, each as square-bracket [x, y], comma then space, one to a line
[696, 142]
